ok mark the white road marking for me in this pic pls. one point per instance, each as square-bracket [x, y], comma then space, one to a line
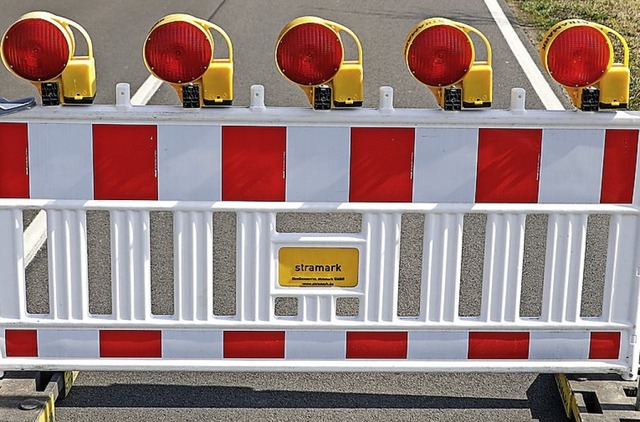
[146, 91]
[539, 83]
[36, 233]
[34, 237]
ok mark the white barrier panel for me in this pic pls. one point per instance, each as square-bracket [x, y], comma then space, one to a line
[380, 163]
[317, 337]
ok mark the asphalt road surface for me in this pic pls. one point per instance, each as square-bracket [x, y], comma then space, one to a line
[118, 29]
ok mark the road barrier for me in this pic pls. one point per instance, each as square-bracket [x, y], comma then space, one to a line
[258, 163]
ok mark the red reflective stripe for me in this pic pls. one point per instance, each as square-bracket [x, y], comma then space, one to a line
[124, 162]
[253, 163]
[376, 345]
[254, 344]
[381, 164]
[498, 345]
[14, 160]
[619, 168]
[508, 165]
[21, 343]
[130, 344]
[604, 346]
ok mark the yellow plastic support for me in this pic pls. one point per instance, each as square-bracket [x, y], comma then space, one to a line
[477, 83]
[78, 80]
[216, 83]
[568, 399]
[613, 83]
[48, 414]
[347, 87]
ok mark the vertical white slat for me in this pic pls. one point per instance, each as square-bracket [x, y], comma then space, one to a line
[564, 267]
[620, 297]
[193, 249]
[245, 257]
[254, 269]
[503, 257]
[183, 274]
[265, 229]
[373, 277]
[315, 308]
[326, 308]
[130, 265]
[633, 350]
[12, 278]
[309, 308]
[382, 232]
[68, 273]
[441, 263]
[391, 269]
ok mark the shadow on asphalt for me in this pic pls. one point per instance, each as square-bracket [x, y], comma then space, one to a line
[539, 394]
[182, 396]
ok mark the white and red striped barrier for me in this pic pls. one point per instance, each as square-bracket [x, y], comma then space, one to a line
[257, 162]
[317, 163]
[294, 345]
[282, 154]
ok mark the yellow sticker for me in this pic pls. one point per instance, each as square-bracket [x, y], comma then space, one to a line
[318, 267]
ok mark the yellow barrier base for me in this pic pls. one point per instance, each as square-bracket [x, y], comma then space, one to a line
[31, 396]
[594, 397]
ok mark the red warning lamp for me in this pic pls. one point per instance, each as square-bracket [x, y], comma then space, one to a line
[310, 53]
[579, 55]
[40, 48]
[440, 54]
[180, 50]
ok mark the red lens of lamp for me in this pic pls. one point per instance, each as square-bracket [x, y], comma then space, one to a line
[178, 52]
[309, 54]
[579, 56]
[440, 55]
[36, 49]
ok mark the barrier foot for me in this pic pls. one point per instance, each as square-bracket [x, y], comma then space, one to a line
[31, 396]
[598, 397]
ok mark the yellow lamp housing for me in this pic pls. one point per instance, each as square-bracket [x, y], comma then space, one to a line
[59, 75]
[440, 54]
[309, 52]
[579, 55]
[179, 50]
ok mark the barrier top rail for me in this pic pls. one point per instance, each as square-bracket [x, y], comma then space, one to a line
[385, 115]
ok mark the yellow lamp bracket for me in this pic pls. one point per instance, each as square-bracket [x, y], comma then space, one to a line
[347, 84]
[614, 84]
[77, 82]
[475, 88]
[611, 90]
[215, 86]
[477, 84]
[79, 77]
[217, 81]
[346, 88]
